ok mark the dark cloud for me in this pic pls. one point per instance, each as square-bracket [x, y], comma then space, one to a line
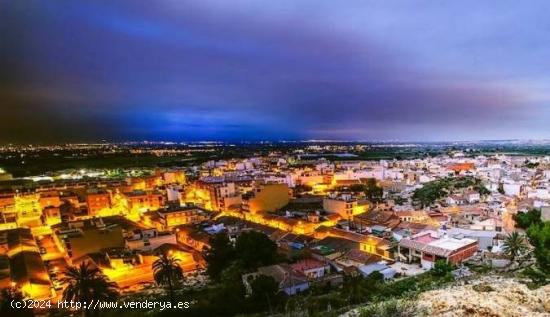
[84, 71]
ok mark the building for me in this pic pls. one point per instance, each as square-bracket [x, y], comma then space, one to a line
[380, 267]
[173, 177]
[49, 199]
[486, 239]
[195, 239]
[140, 201]
[266, 198]
[97, 201]
[8, 214]
[430, 246]
[215, 193]
[121, 258]
[29, 213]
[461, 167]
[174, 193]
[26, 268]
[311, 268]
[18, 240]
[472, 196]
[345, 205]
[166, 219]
[366, 243]
[28, 273]
[52, 215]
[149, 239]
[79, 238]
[7, 203]
[511, 188]
[290, 281]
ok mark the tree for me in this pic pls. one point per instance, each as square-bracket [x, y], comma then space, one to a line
[525, 219]
[9, 295]
[354, 290]
[255, 249]
[220, 255]
[356, 188]
[529, 164]
[398, 200]
[167, 272]
[514, 245]
[482, 190]
[441, 268]
[358, 289]
[539, 236]
[374, 278]
[430, 192]
[264, 291]
[230, 289]
[86, 283]
[373, 192]
[228, 298]
[501, 188]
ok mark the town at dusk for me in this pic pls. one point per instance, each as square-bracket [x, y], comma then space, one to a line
[274, 158]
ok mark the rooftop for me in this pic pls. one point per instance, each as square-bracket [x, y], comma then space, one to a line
[432, 242]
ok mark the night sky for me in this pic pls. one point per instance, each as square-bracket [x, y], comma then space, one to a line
[254, 70]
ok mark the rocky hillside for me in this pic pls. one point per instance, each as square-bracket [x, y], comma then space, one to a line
[490, 296]
[486, 297]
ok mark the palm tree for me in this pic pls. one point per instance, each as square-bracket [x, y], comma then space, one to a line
[167, 271]
[514, 245]
[86, 283]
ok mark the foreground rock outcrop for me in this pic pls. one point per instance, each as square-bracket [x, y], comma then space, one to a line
[490, 296]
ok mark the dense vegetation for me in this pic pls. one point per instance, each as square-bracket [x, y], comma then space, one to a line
[228, 298]
[372, 191]
[438, 189]
[226, 264]
[539, 237]
[538, 234]
[525, 219]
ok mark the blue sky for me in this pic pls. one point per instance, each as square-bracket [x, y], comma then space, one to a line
[253, 70]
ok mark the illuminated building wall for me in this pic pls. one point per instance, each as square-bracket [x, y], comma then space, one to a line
[7, 203]
[172, 218]
[196, 240]
[216, 196]
[88, 239]
[345, 208]
[174, 177]
[199, 195]
[267, 198]
[311, 179]
[376, 246]
[29, 274]
[27, 204]
[151, 240]
[28, 210]
[52, 215]
[8, 214]
[97, 202]
[49, 199]
[282, 223]
[141, 201]
[231, 202]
